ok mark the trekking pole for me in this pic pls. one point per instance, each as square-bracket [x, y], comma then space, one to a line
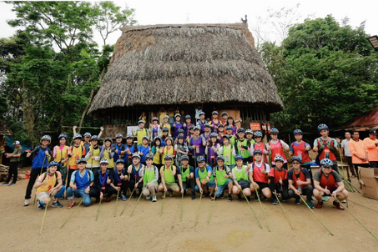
[98, 210]
[115, 211]
[283, 210]
[161, 211]
[198, 210]
[212, 206]
[37, 178]
[44, 215]
[262, 208]
[127, 201]
[252, 209]
[316, 215]
[136, 204]
[182, 205]
[74, 210]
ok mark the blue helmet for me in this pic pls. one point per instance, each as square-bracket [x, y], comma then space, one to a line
[150, 156]
[200, 159]
[165, 129]
[52, 163]
[258, 134]
[62, 135]
[297, 131]
[274, 131]
[225, 136]
[239, 157]
[295, 158]
[229, 128]
[184, 157]
[279, 158]
[255, 152]
[180, 137]
[241, 130]
[326, 162]
[181, 131]
[188, 117]
[46, 137]
[322, 127]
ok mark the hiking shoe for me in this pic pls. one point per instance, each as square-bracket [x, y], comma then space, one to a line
[310, 204]
[298, 201]
[108, 199]
[124, 197]
[56, 204]
[239, 197]
[148, 197]
[4, 184]
[319, 205]
[193, 197]
[12, 184]
[229, 198]
[275, 202]
[154, 199]
[222, 195]
[26, 202]
[325, 198]
[39, 205]
[338, 206]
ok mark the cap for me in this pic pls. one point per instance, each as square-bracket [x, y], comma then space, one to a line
[373, 132]
[16, 142]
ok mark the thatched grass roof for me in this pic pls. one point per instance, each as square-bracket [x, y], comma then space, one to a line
[186, 64]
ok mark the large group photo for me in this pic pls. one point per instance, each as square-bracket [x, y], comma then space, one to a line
[121, 130]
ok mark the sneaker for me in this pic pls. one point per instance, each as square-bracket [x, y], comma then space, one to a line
[338, 206]
[239, 197]
[124, 197]
[108, 199]
[148, 197]
[343, 201]
[12, 184]
[310, 204]
[39, 205]
[154, 199]
[56, 204]
[120, 197]
[325, 198]
[275, 202]
[298, 201]
[193, 197]
[4, 184]
[26, 202]
[222, 195]
[319, 205]
[229, 198]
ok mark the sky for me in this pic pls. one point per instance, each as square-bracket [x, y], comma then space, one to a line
[211, 11]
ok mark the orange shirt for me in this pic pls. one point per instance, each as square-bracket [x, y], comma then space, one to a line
[371, 148]
[358, 148]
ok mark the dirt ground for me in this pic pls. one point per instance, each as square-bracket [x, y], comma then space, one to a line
[232, 226]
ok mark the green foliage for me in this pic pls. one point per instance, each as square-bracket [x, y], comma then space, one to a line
[325, 73]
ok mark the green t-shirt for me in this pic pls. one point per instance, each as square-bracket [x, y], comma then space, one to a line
[16, 152]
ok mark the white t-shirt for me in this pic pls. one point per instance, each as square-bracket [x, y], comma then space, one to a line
[259, 166]
[345, 145]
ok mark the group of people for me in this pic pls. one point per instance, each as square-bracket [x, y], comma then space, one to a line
[210, 158]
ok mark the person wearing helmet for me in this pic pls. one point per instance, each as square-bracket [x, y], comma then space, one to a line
[187, 175]
[136, 171]
[164, 137]
[197, 145]
[60, 155]
[155, 130]
[198, 111]
[220, 134]
[228, 152]
[143, 150]
[241, 180]
[168, 149]
[93, 155]
[231, 123]
[169, 174]
[299, 182]
[120, 179]
[212, 149]
[325, 146]
[176, 126]
[231, 137]
[359, 153]
[81, 181]
[277, 147]
[181, 149]
[87, 137]
[103, 182]
[223, 178]
[13, 163]
[129, 149]
[150, 179]
[259, 145]
[204, 178]
[300, 149]
[75, 152]
[140, 132]
[251, 141]
[190, 133]
[242, 145]
[201, 122]
[327, 182]
[258, 174]
[118, 147]
[224, 116]
[40, 160]
[166, 125]
[49, 184]
[187, 125]
[107, 152]
[207, 132]
[278, 182]
[214, 123]
[156, 151]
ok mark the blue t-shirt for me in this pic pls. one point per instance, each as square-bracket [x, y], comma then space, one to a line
[208, 169]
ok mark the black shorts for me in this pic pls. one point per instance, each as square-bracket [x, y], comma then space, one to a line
[244, 184]
[262, 185]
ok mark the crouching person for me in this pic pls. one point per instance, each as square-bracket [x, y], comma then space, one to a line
[150, 179]
[241, 181]
[328, 182]
[204, 178]
[80, 184]
[278, 183]
[49, 184]
[168, 173]
[258, 175]
[103, 182]
[187, 176]
[223, 178]
[120, 179]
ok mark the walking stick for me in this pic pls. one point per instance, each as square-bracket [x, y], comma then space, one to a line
[161, 211]
[261, 208]
[283, 210]
[44, 215]
[198, 210]
[136, 204]
[316, 215]
[39, 175]
[98, 210]
[252, 209]
[212, 206]
[356, 218]
[127, 201]
[182, 205]
[115, 211]
[74, 210]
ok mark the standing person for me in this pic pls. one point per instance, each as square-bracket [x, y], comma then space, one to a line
[121, 179]
[258, 145]
[156, 152]
[224, 116]
[81, 181]
[206, 133]
[164, 137]
[155, 128]
[187, 176]
[143, 150]
[118, 147]
[228, 152]
[168, 174]
[136, 171]
[75, 152]
[93, 155]
[161, 114]
[299, 182]
[166, 126]
[242, 147]
[258, 174]
[87, 137]
[223, 178]
[150, 179]
[325, 146]
[212, 149]
[171, 113]
[371, 144]
[141, 132]
[204, 178]
[198, 112]
[168, 149]
[176, 126]
[14, 161]
[129, 149]
[197, 144]
[41, 157]
[60, 155]
[241, 180]
[49, 184]
[231, 123]
[214, 123]
[107, 152]
[190, 134]
[250, 142]
[220, 134]
[277, 147]
[345, 152]
[103, 182]
[300, 149]
[181, 149]
[201, 122]
[232, 138]
[359, 152]
[328, 183]
[278, 182]
[187, 125]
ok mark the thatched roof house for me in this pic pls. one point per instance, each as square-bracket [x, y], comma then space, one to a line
[214, 64]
